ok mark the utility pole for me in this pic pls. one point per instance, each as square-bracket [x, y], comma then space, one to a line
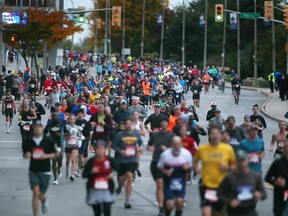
[106, 29]
[273, 43]
[109, 21]
[162, 30]
[224, 36]
[238, 40]
[287, 58]
[183, 35]
[96, 30]
[205, 34]
[1, 36]
[123, 24]
[255, 47]
[143, 28]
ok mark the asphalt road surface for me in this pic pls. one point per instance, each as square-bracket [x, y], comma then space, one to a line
[68, 198]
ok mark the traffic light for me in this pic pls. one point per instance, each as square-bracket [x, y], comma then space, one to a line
[81, 18]
[99, 23]
[219, 13]
[75, 18]
[116, 16]
[286, 16]
[269, 11]
[12, 39]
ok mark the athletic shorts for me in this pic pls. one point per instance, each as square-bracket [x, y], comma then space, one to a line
[156, 173]
[39, 179]
[217, 206]
[69, 150]
[83, 150]
[237, 92]
[9, 113]
[174, 194]
[123, 168]
[196, 96]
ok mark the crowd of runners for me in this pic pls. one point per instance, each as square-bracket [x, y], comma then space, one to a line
[108, 115]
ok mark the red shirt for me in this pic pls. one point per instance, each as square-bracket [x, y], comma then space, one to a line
[190, 145]
[93, 110]
[48, 86]
[104, 167]
[183, 109]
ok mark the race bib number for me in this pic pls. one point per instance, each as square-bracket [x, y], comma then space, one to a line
[130, 151]
[72, 141]
[285, 195]
[156, 129]
[237, 86]
[211, 195]
[37, 153]
[280, 145]
[176, 184]
[32, 85]
[254, 157]
[234, 142]
[245, 193]
[177, 96]
[9, 106]
[195, 92]
[48, 88]
[99, 129]
[101, 184]
[26, 127]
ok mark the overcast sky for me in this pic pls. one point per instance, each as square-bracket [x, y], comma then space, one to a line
[175, 2]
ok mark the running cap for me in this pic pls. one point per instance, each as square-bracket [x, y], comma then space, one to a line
[241, 154]
[213, 104]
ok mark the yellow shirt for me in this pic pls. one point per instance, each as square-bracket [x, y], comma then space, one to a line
[212, 157]
[93, 97]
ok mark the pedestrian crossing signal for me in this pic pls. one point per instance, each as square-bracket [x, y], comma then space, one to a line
[12, 39]
[269, 12]
[116, 16]
[219, 13]
[286, 16]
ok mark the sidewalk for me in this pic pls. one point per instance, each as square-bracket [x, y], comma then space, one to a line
[273, 107]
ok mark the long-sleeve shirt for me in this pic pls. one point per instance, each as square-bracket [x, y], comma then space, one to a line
[138, 108]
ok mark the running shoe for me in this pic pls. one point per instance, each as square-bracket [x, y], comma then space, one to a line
[44, 207]
[55, 182]
[139, 174]
[118, 190]
[127, 206]
[77, 174]
[72, 178]
[67, 174]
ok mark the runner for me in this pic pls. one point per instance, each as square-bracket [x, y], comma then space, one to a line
[206, 80]
[99, 170]
[175, 162]
[279, 138]
[40, 149]
[126, 144]
[159, 142]
[237, 83]
[56, 131]
[155, 119]
[277, 175]
[217, 159]
[255, 147]
[211, 113]
[236, 133]
[72, 146]
[26, 115]
[175, 114]
[196, 89]
[8, 109]
[258, 119]
[241, 189]
[217, 121]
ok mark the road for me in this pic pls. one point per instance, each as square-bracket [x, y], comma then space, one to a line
[68, 198]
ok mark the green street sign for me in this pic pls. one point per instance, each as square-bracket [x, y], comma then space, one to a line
[250, 15]
[107, 40]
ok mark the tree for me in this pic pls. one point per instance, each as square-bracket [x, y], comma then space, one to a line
[42, 28]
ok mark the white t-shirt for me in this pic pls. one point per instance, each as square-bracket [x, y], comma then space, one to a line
[168, 159]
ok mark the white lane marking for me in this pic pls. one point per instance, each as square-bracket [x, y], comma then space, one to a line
[10, 141]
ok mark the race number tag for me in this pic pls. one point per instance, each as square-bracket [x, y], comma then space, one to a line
[195, 92]
[130, 151]
[280, 145]
[9, 106]
[156, 129]
[101, 184]
[245, 192]
[72, 141]
[26, 127]
[211, 195]
[48, 88]
[99, 128]
[37, 153]
[176, 184]
[285, 195]
[254, 157]
[177, 96]
[32, 85]
[237, 86]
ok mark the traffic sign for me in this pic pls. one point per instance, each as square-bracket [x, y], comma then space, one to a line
[107, 40]
[250, 15]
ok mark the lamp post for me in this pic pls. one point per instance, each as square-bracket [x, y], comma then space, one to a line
[143, 28]
[162, 29]
[255, 46]
[183, 35]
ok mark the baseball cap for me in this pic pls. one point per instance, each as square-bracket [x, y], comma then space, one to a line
[157, 105]
[123, 102]
[217, 110]
[241, 154]
[190, 107]
[57, 104]
[230, 117]
[213, 104]
[99, 143]
[247, 116]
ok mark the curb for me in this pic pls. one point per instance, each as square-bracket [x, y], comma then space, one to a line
[263, 107]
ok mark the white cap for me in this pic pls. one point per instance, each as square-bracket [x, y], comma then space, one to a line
[213, 104]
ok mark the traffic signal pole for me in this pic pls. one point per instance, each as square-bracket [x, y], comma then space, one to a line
[238, 41]
[255, 47]
[224, 36]
[1, 36]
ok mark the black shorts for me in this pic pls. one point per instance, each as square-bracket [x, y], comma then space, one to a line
[217, 206]
[156, 173]
[69, 150]
[196, 96]
[237, 92]
[123, 168]
[83, 150]
[9, 113]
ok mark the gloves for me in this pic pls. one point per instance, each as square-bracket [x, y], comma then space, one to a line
[3, 113]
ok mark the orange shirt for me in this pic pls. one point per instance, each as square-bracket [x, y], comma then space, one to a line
[206, 78]
[172, 123]
[146, 88]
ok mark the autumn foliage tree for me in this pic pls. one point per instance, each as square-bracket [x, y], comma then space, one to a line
[42, 28]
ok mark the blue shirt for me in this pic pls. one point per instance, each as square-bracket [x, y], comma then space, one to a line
[254, 149]
[99, 69]
[128, 142]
